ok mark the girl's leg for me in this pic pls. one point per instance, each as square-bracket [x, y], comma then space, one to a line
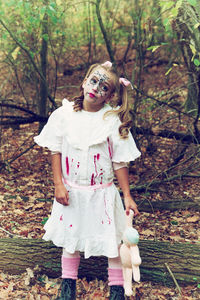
[115, 274]
[115, 279]
[70, 264]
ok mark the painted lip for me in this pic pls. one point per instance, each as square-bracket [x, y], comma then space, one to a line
[91, 95]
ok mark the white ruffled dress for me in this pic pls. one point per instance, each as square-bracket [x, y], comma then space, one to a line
[94, 221]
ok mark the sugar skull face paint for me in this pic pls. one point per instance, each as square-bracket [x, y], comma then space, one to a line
[100, 82]
[97, 88]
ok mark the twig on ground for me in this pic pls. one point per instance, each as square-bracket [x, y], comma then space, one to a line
[16, 157]
[10, 234]
[174, 279]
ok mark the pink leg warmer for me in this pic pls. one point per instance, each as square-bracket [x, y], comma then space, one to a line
[115, 277]
[70, 267]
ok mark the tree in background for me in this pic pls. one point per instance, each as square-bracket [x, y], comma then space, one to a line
[183, 16]
[31, 34]
[188, 28]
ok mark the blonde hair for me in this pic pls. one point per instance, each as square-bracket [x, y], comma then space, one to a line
[119, 100]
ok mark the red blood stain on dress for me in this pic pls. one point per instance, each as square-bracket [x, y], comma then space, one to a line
[96, 157]
[95, 165]
[92, 179]
[67, 165]
[109, 219]
[110, 148]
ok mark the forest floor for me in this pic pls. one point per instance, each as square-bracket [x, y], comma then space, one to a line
[27, 182]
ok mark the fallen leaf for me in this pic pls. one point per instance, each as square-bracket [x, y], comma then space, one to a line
[28, 276]
[192, 219]
[147, 232]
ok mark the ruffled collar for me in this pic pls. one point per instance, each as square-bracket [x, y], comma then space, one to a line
[84, 129]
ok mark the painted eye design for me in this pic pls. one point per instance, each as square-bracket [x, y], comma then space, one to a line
[93, 81]
[104, 88]
[101, 85]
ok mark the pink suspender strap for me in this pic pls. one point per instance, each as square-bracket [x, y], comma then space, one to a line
[87, 187]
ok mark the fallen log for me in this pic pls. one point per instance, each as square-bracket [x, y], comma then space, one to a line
[16, 255]
[171, 205]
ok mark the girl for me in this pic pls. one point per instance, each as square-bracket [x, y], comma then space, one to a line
[89, 139]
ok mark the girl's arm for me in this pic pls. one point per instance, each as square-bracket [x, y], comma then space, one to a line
[122, 177]
[61, 194]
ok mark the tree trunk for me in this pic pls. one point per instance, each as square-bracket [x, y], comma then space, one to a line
[43, 57]
[189, 40]
[103, 30]
[183, 259]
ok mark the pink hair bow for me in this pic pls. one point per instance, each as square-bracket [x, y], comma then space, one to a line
[107, 64]
[125, 82]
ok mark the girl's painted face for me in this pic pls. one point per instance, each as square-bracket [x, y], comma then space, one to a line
[98, 87]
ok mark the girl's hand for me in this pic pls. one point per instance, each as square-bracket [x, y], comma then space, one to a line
[130, 204]
[61, 194]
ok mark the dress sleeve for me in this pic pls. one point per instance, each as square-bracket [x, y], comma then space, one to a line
[51, 134]
[123, 150]
[117, 166]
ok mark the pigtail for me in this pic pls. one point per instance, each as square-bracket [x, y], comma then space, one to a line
[78, 101]
[124, 113]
